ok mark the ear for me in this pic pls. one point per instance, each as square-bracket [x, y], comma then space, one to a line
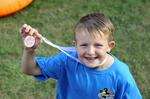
[74, 42]
[111, 45]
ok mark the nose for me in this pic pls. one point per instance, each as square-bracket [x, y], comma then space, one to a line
[91, 50]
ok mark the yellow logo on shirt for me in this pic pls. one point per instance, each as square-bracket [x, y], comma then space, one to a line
[106, 94]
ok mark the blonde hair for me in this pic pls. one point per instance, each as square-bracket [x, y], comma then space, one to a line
[96, 22]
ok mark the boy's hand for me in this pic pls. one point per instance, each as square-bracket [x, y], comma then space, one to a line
[27, 30]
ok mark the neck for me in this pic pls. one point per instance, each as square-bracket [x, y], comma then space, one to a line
[106, 63]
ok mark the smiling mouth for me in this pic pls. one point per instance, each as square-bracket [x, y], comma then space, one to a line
[90, 58]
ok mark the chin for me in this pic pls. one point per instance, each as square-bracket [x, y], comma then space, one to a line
[91, 64]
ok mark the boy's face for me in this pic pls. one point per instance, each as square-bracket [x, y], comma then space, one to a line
[92, 50]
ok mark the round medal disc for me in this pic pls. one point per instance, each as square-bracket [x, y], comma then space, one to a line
[29, 41]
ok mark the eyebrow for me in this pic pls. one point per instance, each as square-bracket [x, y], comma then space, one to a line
[83, 44]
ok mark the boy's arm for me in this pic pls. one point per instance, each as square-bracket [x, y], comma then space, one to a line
[28, 64]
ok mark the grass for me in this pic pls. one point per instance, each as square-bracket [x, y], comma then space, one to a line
[55, 20]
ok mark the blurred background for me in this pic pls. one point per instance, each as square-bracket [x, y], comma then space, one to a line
[55, 20]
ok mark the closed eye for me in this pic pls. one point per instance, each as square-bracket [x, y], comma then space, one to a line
[84, 45]
[98, 45]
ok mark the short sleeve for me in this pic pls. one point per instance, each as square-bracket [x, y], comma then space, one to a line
[51, 67]
[132, 92]
[128, 90]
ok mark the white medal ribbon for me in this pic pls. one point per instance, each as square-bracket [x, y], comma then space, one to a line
[62, 49]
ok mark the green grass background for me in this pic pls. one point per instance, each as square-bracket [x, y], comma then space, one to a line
[55, 20]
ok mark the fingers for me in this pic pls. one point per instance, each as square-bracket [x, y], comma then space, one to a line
[28, 30]
[37, 33]
[22, 29]
[37, 42]
[31, 31]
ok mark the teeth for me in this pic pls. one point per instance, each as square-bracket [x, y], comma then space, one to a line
[91, 58]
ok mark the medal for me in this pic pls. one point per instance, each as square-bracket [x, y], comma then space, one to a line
[29, 41]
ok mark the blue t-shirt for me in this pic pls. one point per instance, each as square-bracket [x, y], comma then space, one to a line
[77, 81]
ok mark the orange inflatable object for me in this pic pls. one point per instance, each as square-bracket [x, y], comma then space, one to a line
[10, 6]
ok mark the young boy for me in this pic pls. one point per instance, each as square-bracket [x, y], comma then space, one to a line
[99, 75]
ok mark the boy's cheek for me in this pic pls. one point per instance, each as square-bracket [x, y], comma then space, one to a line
[80, 53]
[79, 50]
